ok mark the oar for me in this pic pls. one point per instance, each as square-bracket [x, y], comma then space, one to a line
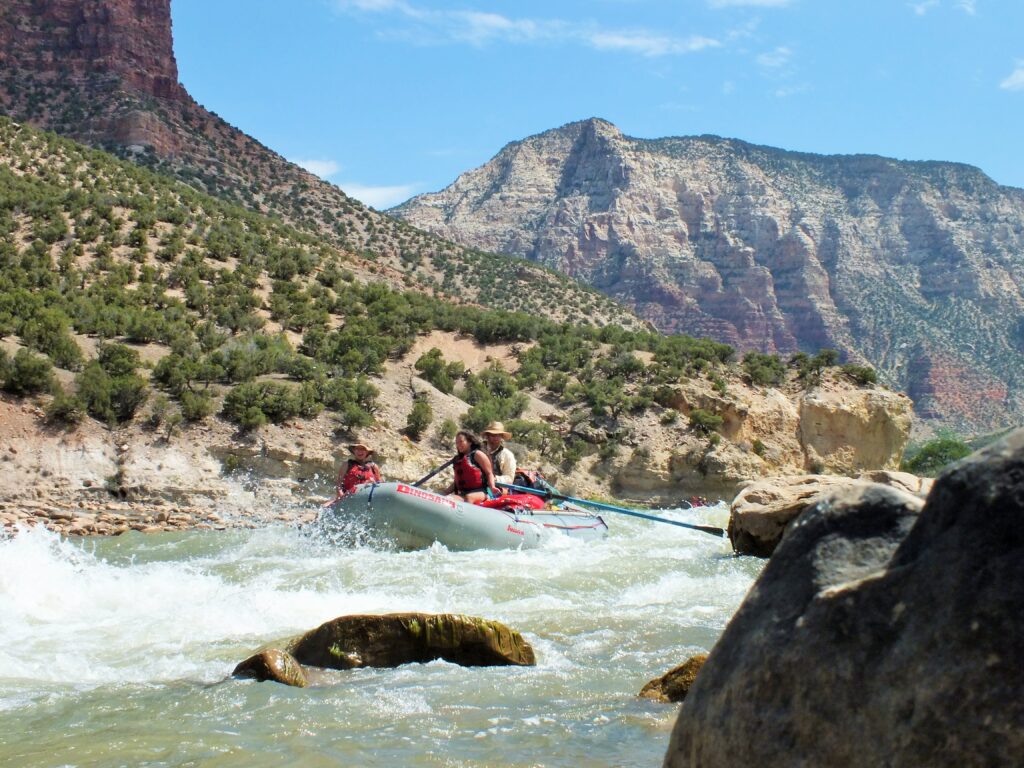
[424, 479]
[705, 528]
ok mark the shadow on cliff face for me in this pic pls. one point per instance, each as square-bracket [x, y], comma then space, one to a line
[877, 635]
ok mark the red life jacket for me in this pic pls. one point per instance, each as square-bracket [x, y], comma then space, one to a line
[358, 474]
[468, 475]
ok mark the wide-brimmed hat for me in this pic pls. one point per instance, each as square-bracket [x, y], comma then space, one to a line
[352, 448]
[497, 428]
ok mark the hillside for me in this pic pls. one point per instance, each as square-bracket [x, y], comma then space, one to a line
[916, 268]
[104, 73]
[152, 336]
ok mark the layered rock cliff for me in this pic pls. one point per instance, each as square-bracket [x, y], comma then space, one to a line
[917, 268]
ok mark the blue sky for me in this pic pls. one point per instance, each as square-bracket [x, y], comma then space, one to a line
[390, 98]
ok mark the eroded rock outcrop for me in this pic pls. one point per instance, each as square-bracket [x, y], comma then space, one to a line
[853, 430]
[835, 427]
[761, 512]
[877, 635]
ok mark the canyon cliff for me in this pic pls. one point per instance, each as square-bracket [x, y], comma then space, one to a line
[914, 267]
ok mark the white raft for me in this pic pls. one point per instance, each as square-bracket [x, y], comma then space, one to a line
[414, 517]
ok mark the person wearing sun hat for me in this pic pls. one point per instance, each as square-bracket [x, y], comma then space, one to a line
[358, 470]
[503, 460]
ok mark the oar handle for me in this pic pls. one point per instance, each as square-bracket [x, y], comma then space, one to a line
[633, 513]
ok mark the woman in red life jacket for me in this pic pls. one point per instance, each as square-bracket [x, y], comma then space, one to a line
[357, 470]
[473, 474]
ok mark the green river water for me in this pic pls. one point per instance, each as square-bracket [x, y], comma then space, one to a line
[118, 651]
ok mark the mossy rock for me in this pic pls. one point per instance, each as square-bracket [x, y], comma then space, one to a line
[393, 639]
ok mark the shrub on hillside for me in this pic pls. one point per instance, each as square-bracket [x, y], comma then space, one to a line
[764, 370]
[110, 399]
[47, 331]
[809, 369]
[64, 409]
[704, 421]
[861, 374]
[118, 359]
[443, 375]
[256, 402]
[28, 374]
[446, 432]
[419, 418]
[196, 406]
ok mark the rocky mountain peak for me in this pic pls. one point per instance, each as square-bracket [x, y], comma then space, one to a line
[913, 267]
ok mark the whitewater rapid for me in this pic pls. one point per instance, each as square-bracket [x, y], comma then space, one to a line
[116, 648]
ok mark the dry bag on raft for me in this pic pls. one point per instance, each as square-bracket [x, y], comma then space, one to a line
[513, 501]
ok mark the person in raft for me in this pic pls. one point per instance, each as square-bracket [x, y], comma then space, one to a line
[503, 461]
[358, 470]
[474, 478]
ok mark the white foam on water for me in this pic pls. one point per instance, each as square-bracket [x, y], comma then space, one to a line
[154, 610]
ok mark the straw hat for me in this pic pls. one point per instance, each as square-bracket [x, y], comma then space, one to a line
[352, 448]
[497, 428]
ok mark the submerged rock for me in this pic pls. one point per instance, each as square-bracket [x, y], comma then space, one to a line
[676, 683]
[878, 636]
[348, 642]
[273, 664]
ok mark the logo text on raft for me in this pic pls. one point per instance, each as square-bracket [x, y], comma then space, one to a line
[425, 495]
[516, 531]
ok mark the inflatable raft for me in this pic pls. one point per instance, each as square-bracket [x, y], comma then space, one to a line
[415, 517]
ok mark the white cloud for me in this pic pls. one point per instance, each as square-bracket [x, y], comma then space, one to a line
[322, 168]
[648, 44]
[792, 90]
[970, 7]
[777, 58]
[432, 27]
[1015, 82]
[378, 197]
[923, 7]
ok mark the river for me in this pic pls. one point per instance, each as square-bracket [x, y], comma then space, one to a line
[118, 651]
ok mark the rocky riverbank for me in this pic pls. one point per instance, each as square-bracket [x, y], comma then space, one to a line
[90, 479]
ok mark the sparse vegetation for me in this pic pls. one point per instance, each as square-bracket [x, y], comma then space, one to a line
[262, 322]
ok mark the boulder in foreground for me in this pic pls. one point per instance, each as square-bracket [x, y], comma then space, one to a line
[877, 635]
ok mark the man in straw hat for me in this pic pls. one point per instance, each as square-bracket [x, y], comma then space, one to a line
[358, 470]
[502, 459]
